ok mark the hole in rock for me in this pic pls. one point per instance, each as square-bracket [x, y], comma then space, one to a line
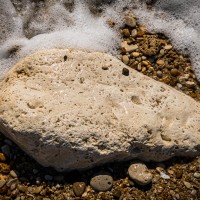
[65, 58]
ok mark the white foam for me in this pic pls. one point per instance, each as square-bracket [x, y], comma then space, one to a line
[32, 25]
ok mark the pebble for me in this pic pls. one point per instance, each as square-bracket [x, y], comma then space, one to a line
[2, 157]
[174, 72]
[179, 85]
[160, 62]
[117, 193]
[187, 184]
[102, 183]
[151, 69]
[134, 33]
[145, 63]
[135, 54]
[162, 51]
[125, 72]
[126, 32]
[196, 175]
[128, 48]
[2, 183]
[164, 176]
[193, 192]
[125, 59]
[168, 47]
[179, 173]
[130, 21]
[131, 48]
[139, 67]
[144, 69]
[144, 58]
[141, 31]
[159, 74]
[190, 84]
[38, 189]
[13, 174]
[79, 188]
[140, 173]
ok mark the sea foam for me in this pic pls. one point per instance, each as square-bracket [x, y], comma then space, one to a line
[31, 25]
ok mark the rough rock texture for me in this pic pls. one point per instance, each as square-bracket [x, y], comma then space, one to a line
[70, 109]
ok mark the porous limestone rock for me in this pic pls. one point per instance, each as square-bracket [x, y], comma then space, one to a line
[70, 109]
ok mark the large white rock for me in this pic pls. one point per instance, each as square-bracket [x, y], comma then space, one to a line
[71, 109]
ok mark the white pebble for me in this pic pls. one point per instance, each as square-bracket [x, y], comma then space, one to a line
[164, 176]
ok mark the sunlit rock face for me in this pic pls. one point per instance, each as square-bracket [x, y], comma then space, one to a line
[29, 25]
[70, 109]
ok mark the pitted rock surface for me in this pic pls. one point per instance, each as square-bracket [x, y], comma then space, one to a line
[70, 109]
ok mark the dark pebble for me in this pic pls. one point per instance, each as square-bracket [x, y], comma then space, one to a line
[179, 173]
[159, 74]
[125, 72]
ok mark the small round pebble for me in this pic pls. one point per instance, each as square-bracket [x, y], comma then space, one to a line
[194, 192]
[130, 21]
[135, 54]
[102, 183]
[160, 62]
[140, 173]
[125, 59]
[159, 74]
[174, 72]
[79, 188]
